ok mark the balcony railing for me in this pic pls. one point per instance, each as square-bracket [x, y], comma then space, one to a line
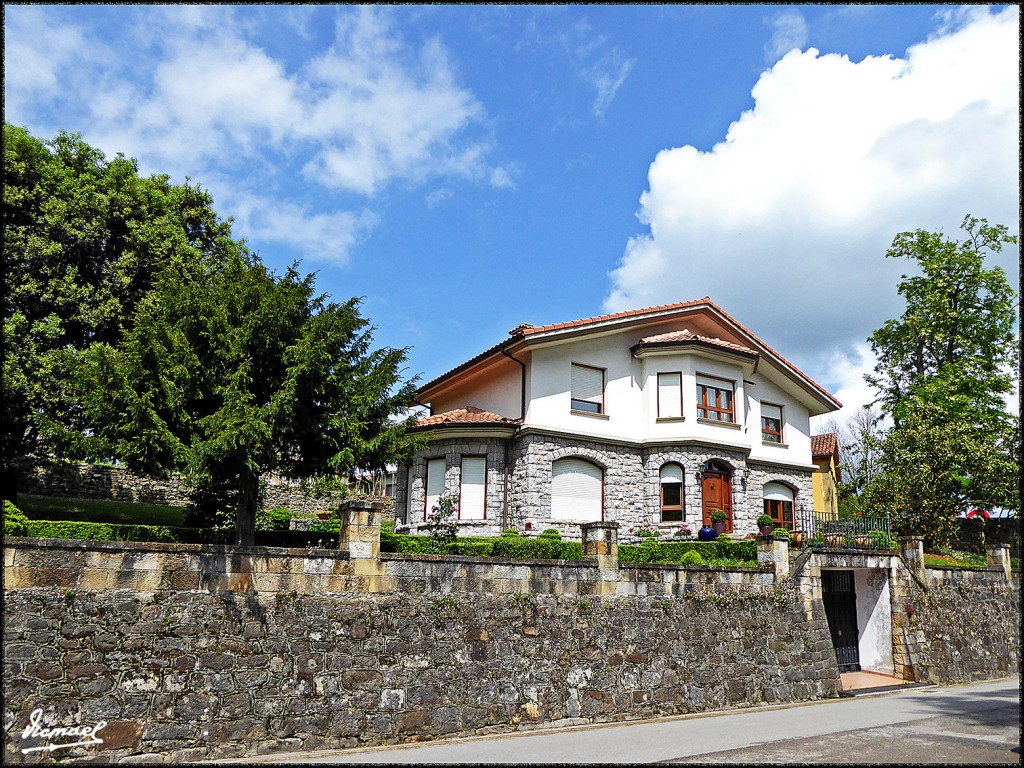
[854, 533]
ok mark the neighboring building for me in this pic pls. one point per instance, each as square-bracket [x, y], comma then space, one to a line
[826, 477]
[651, 418]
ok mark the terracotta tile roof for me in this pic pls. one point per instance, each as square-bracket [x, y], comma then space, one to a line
[467, 415]
[528, 330]
[525, 330]
[823, 445]
[688, 335]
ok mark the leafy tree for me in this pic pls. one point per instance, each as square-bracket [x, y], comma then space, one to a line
[943, 370]
[82, 239]
[955, 343]
[229, 372]
[934, 468]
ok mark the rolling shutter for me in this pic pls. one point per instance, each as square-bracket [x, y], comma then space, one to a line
[471, 493]
[778, 492]
[576, 490]
[670, 395]
[671, 473]
[435, 484]
[588, 386]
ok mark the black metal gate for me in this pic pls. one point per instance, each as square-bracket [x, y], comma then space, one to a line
[840, 600]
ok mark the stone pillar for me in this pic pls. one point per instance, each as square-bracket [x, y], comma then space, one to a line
[601, 546]
[360, 528]
[912, 552]
[774, 551]
[998, 556]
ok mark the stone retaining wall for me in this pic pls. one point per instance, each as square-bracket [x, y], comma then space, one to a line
[193, 653]
[95, 481]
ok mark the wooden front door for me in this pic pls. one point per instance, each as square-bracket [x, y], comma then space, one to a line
[716, 493]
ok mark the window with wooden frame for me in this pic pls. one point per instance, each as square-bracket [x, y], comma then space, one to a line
[670, 395]
[715, 400]
[778, 504]
[671, 482]
[771, 423]
[587, 389]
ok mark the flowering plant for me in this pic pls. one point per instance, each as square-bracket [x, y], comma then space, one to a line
[443, 525]
[684, 531]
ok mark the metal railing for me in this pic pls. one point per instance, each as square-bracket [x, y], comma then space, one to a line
[854, 533]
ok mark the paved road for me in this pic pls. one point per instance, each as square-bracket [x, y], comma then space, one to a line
[978, 723]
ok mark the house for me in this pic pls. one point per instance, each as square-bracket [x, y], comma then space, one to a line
[826, 478]
[651, 418]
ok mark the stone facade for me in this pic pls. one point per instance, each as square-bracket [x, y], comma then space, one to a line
[631, 482]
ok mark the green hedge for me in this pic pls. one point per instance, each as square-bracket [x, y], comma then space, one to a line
[673, 551]
[67, 529]
[517, 547]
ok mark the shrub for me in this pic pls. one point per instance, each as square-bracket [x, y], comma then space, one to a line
[880, 540]
[550, 533]
[15, 522]
[782, 532]
[645, 533]
[277, 519]
[650, 551]
[719, 516]
[691, 558]
[442, 525]
[764, 520]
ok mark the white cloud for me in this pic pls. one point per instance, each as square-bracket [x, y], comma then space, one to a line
[790, 32]
[849, 385]
[607, 82]
[785, 223]
[187, 91]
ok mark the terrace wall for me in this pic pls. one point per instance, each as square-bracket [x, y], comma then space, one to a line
[192, 652]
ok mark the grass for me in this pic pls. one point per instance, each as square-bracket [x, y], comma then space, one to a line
[955, 559]
[99, 511]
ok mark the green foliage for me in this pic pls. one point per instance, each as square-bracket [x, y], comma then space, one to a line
[277, 519]
[719, 516]
[443, 525]
[550, 534]
[764, 520]
[712, 552]
[213, 503]
[324, 486]
[943, 370]
[691, 558]
[100, 511]
[650, 551]
[15, 522]
[230, 371]
[935, 468]
[646, 533]
[783, 533]
[880, 540]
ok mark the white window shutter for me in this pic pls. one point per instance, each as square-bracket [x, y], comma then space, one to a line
[771, 411]
[777, 492]
[670, 401]
[671, 473]
[576, 490]
[587, 384]
[435, 484]
[471, 493]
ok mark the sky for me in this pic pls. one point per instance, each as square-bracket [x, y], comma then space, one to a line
[466, 169]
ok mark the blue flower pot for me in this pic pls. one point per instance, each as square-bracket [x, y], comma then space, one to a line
[707, 533]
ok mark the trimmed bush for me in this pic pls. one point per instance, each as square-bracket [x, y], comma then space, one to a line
[650, 551]
[691, 558]
[15, 522]
[277, 519]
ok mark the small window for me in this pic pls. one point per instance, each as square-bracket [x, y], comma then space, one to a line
[778, 504]
[587, 389]
[714, 400]
[670, 395]
[472, 488]
[435, 485]
[771, 423]
[671, 481]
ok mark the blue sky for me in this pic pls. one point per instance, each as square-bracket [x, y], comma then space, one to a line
[466, 169]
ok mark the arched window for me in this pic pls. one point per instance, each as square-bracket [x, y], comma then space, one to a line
[671, 481]
[577, 491]
[778, 502]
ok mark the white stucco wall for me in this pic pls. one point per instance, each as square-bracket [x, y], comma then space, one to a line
[874, 619]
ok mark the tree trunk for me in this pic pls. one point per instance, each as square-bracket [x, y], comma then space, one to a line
[245, 518]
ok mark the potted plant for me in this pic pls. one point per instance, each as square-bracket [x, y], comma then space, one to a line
[797, 538]
[834, 540]
[765, 525]
[718, 521]
[863, 541]
[684, 531]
